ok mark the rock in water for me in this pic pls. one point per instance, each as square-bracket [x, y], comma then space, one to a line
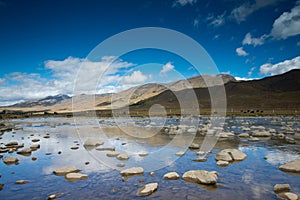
[201, 177]
[76, 177]
[222, 163]
[65, 170]
[289, 196]
[26, 151]
[293, 166]
[21, 182]
[123, 156]
[132, 171]
[180, 153]
[113, 154]
[148, 189]
[10, 160]
[282, 188]
[93, 142]
[171, 176]
[230, 155]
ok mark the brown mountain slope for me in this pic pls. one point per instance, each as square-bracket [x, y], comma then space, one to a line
[276, 92]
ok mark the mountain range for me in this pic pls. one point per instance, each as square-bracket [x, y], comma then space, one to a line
[274, 92]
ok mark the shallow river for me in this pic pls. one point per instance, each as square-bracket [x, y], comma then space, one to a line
[253, 178]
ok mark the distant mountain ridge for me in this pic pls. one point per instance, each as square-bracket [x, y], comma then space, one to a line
[47, 101]
[279, 91]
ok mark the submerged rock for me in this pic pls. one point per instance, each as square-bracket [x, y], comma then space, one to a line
[171, 176]
[293, 166]
[148, 189]
[201, 177]
[65, 170]
[132, 171]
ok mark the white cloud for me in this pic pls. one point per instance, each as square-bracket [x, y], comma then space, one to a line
[251, 71]
[242, 12]
[249, 40]
[2, 81]
[183, 2]
[244, 78]
[281, 67]
[216, 21]
[166, 68]
[288, 24]
[136, 77]
[63, 74]
[241, 52]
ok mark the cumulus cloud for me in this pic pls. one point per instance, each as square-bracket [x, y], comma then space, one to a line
[166, 68]
[136, 77]
[287, 24]
[241, 52]
[242, 12]
[183, 2]
[89, 77]
[281, 67]
[249, 40]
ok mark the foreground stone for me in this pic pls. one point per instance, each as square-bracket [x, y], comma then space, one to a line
[230, 155]
[171, 176]
[53, 196]
[93, 142]
[105, 148]
[278, 188]
[11, 160]
[11, 144]
[289, 196]
[148, 189]
[65, 170]
[35, 147]
[132, 171]
[200, 177]
[76, 177]
[293, 166]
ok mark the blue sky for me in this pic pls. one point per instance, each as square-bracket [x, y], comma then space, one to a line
[43, 43]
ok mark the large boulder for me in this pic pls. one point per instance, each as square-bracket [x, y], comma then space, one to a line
[148, 189]
[26, 151]
[201, 177]
[65, 170]
[293, 166]
[132, 171]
